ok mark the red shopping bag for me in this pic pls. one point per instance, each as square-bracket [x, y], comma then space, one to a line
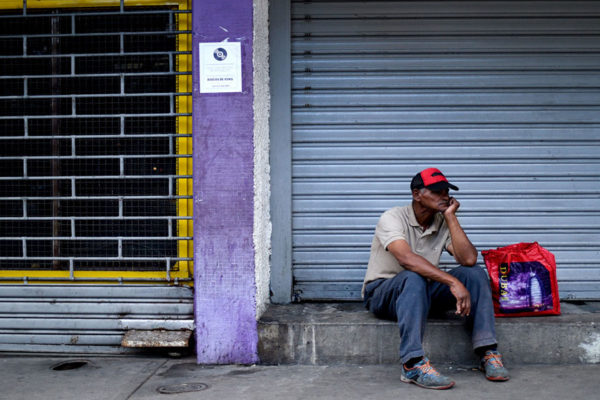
[523, 279]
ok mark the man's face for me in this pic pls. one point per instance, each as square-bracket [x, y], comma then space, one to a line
[434, 200]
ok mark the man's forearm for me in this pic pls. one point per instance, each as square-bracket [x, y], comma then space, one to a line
[418, 264]
[463, 250]
[429, 271]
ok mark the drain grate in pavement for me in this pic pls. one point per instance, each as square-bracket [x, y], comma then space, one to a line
[182, 388]
[69, 365]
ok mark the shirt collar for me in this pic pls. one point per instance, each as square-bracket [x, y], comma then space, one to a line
[434, 227]
[412, 218]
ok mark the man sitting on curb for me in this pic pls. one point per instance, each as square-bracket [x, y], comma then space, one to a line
[403, 280]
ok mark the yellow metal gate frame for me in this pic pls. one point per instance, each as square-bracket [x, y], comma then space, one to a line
[183, 272]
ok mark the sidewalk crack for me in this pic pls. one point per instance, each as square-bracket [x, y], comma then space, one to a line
[146, 380]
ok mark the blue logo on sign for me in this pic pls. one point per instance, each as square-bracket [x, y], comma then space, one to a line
[220, 54]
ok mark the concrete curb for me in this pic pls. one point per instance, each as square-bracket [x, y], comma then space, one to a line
[344, 333]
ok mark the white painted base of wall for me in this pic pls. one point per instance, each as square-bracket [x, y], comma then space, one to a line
[262, 220]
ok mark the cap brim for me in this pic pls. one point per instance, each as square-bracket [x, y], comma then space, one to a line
[441, 186]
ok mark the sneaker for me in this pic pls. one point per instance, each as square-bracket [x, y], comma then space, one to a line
[492, 365]
[424, 375]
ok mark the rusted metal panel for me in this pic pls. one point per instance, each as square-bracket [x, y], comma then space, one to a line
[157, 338]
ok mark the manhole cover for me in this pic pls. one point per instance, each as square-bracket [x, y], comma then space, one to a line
[182, 388]
[69, 364]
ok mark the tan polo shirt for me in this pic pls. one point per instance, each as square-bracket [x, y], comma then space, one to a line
[401, 223]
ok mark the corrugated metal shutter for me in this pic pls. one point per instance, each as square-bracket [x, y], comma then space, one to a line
[85, 318]
[504, 97]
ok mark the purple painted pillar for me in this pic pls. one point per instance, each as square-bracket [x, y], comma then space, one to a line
[225, 306]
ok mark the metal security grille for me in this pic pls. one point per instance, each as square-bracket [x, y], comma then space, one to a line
[95, 143]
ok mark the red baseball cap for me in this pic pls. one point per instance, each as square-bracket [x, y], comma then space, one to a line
[432, 179]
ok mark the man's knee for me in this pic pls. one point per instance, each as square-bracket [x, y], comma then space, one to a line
[411, 281]
[473, 274]
[390, 293]
[411, 293]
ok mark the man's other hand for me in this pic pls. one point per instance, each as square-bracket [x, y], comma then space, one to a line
[463, 298]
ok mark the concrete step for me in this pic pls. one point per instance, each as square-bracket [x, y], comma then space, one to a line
[345, 333]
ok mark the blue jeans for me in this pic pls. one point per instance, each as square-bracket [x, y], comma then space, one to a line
[409, 298]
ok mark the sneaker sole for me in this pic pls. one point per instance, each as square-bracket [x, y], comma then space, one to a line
[494, 378]
[497, 379]
[407, 380]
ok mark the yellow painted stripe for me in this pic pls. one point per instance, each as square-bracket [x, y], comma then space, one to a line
[92, 274]
[184, 144]
[12, 4]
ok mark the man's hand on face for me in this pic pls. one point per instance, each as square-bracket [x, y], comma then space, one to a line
[453, 206]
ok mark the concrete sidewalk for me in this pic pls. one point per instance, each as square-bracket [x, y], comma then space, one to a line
[30, 378]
